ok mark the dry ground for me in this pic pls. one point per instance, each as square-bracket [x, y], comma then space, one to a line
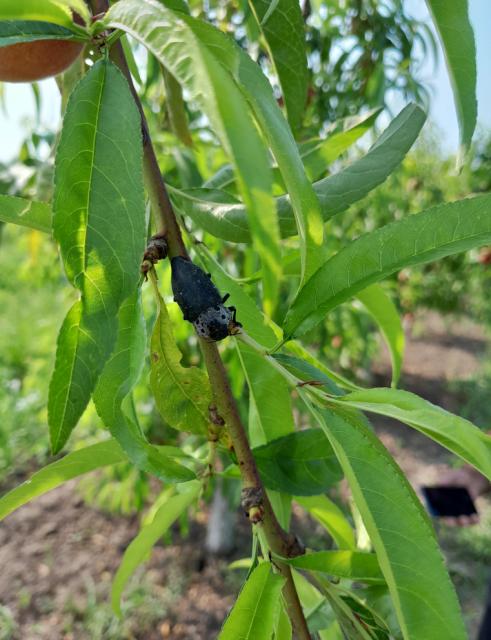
[58, 555]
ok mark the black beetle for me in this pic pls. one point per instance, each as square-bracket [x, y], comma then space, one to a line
[201, 302]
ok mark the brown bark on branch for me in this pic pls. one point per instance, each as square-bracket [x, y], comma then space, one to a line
[260, 511]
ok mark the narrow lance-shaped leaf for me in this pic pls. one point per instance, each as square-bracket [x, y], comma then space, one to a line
[363, 567]
[433, 234]
[330, 516]
[457, 39]
[317, 154]
[254, 613]
[304, 208]
[84, 343]
[301, 463]
[456, 434]
[176, 109]
[269, 394]
[138, 549]
[284, 31]
[15, 31]
[283, 629]
[99, 223]
[423, 595]
[117, 380]
[55, 474]
[380, 306]
[182, 394]
[266, 332]
[176, 47]
[27, 213]
[224, 218]
[56, 11]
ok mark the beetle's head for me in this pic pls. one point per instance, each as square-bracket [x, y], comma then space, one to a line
[216, 323]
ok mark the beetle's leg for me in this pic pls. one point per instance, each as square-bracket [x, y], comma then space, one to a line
[226, 297]
[234, 311]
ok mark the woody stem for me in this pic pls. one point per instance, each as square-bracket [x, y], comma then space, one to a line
[261, 512]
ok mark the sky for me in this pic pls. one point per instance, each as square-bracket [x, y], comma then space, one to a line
[20, 107]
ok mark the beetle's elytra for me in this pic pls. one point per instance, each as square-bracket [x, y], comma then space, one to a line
[201, 302]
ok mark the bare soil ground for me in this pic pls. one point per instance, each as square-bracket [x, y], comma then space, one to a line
[58, 555]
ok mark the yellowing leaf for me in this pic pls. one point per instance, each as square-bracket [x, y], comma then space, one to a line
[182, 394]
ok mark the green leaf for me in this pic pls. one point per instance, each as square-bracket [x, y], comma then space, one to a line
[456, 434]
[85, 342]
[55, 474]
[176, 109]
[423, 595]
[354, 565]
[304, 207]
[56, 11]
[175, 45]
[316, 610]
[303, 358]
[139, 547]
[318, 155]
[99, 222]
[307, 372]
[283, 629]
[284, 32]
[457, 39]
[253, 614]
[27, 213]
[301, 463]
[182, 394]
[330, 516]
[269, 395]
[266, 332]
[225, 218]
[384, 312]
[118, 378]
[15, 31]
[99, 213]
[433, 234]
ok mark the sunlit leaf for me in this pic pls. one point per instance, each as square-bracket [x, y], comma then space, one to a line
[380, 306]
[139, 547]
[456, 434]
[99, 223]
[330, 516]
[433, 234]
[304, 208]
[117, 379]
[15, 31]
[224, 218]
[301, 463]
[401, 533]
[457, 39]
[253, 614]
[55, 474]
[28, 213]
[269, 394]
[283, 28]
[175, 45]
[56, 11]
[182, 394]
[354, 565]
